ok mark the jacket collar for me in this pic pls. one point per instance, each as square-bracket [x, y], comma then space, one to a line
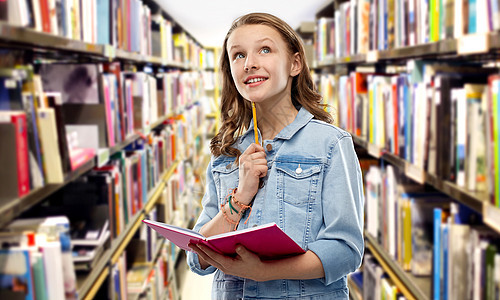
[303, 117]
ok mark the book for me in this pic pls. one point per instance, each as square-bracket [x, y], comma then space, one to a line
[268, 240]
[54, 101]
[53, 240]
[16, 279]
[15, 174]
[77, 83]
[49, 144]
[372, 277]
[34, 150]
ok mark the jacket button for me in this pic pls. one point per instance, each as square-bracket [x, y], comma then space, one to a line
[298, 170]
[269, 147]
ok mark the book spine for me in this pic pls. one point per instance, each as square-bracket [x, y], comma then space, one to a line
[103, 21]
[436, 255]
[472, 16]
[21, 146]
[22, 153]
[39, 276]
[48, 137]
[461, 135]
[45, 15]
[445, 257]
[496, 141]
[109, 113]
[407, 245]
[52, 257]
[491, 251]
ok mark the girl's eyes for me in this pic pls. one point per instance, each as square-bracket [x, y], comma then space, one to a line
[264, 50]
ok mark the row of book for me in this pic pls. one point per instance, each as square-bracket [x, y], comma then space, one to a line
[123, 24]
[374, 282]
[144, 269]
[359, 26]
[149, 273]
[36, 260]
[59, 118]
[430, 235]
[441, 118]
[143, 280]
[42, 254]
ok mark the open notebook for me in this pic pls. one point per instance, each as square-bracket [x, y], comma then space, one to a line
[268, 240]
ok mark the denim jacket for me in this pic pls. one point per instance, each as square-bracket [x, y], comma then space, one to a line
[313, 191]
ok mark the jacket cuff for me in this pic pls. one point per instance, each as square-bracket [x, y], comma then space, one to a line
[337, 259]
[194, 264]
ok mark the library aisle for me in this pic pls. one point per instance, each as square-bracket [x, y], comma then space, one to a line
[194, 286]
[108, 107]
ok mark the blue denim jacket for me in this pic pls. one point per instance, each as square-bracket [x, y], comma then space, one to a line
[313, 191]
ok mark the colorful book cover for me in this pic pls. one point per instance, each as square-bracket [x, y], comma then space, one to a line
[267, 241]
[77, 83]
[15, 275]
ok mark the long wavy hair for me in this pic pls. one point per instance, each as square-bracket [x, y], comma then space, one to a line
[236, 112]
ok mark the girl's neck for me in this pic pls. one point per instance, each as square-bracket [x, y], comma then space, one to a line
[273, 116]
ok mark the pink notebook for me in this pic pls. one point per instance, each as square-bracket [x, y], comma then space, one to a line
[268, 240]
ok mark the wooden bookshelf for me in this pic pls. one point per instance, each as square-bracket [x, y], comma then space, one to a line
[475, 200]
[135, 296]
[16, 207]
[449, 48]
[37, 40]
[410, 286]
[326, 9]
[28, 38]
[32, 47]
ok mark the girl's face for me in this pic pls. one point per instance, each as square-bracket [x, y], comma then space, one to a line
[261, 64]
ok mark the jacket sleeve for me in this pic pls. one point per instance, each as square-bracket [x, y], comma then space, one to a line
[209, 211]
[340, 244]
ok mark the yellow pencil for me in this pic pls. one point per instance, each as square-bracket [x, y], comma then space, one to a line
[255, 123]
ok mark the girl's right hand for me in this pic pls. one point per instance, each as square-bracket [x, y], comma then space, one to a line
[252, 167]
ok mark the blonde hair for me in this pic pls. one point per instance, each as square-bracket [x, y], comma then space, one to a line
[236, 112]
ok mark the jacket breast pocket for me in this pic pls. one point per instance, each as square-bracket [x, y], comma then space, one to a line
[298, 182]
[226, 178]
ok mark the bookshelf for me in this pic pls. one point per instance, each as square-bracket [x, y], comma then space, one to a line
[34, 47]
[13, 209]
[387, 56]
[412, 287]
[475, 200]
[448, 49]
[36, 41]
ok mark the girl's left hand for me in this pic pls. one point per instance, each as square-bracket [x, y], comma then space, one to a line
[246, 264]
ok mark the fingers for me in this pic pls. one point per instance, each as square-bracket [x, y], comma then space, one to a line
[252, 167]
[260, 155]
[207, 254]
[254, 148]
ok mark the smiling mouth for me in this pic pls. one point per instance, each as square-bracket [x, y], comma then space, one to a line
[254, 80]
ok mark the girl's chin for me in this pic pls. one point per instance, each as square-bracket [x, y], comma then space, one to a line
[254, 98]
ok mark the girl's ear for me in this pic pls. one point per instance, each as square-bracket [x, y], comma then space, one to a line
[296, 66]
